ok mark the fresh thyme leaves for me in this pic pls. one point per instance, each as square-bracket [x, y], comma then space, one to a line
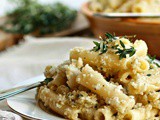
[123, 52]
[30, 16]
[115, 47]
[110, 37]
[122, 44]
[148, 75]
[151, 60]
[103, 46]
[79, 95]
[97, 47]
[100, 46]
[156, 64]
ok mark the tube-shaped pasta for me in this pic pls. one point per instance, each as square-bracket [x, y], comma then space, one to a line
[96, 6]
[140, 7]
[126, 7]
[86, 55]
[125, 77]
[107, 63]
[145, 82]
[152, 97]
[141, 48]
[72, 71]
[110, 92]
[142, 113]
[59, 77]
[156, 104]
[114, 3]
[140, 65]
[104, 114]
[51, 99]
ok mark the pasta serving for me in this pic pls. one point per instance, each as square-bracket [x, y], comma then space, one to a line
[135, 6]
[116, 80]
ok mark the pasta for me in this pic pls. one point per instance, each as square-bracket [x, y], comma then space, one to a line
[135, 6]
[104, 113]
[115, 80]
[110, 92]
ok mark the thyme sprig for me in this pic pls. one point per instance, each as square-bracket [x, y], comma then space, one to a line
[102, 47]
[124, 52]
[110, 37]
[30, 16]
[152, 60]
[97, 46]
[156, 64]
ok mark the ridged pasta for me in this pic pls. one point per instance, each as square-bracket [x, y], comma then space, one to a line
[119, 82]
[112, 95]
[135, 6]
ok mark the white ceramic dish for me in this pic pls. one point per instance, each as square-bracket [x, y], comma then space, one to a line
[25, 104]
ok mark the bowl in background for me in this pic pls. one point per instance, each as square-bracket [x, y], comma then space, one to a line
[144, 28]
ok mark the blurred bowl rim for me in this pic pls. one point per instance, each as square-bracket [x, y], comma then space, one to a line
[85, 10]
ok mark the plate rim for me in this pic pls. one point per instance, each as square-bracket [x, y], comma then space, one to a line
[28, 116]
[22, 114]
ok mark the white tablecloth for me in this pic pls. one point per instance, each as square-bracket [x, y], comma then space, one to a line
[30, 58]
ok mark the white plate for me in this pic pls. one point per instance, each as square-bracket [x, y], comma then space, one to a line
[25, 104]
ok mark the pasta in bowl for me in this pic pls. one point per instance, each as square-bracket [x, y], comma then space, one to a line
[118, 6]
[147, 29]
[115, 80]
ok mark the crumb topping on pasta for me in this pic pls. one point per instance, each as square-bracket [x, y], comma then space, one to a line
[115, 80]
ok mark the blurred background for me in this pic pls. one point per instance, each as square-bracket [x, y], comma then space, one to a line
[35, 33]
[6, 5]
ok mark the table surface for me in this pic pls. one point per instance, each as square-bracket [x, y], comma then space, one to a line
[29, 59]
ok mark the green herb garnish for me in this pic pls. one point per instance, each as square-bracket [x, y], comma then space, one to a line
[152, 59]
[124, 52]
[110, 37]
[30, 16]
[79, 95]
[122, 44]
[102, 47]
[156, 64]
[97, 47]
[148, 75]
[115, 47]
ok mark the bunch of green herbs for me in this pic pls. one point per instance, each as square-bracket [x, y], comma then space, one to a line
[30, 16]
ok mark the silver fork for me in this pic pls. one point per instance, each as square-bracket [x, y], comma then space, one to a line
[17, 90]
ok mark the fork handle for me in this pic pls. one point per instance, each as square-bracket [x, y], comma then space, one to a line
[14, 91]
